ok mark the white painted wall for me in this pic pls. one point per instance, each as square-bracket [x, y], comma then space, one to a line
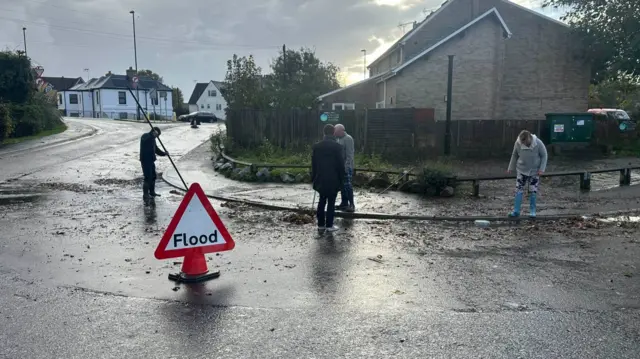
[60, 100]
[87, 102]
[215, 104]
[73, 109]
[110, 104]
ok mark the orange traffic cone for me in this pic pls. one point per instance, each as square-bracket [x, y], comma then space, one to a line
[194, 269]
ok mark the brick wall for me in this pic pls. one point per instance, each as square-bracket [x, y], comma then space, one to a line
[544, 70]
[478, 53]
[363, 95]
[540, 69]
[448, 20]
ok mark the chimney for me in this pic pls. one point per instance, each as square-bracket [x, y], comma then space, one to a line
[131, 72]
[108, 73]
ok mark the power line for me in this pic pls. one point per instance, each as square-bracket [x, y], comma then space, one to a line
[74, 10]
[125, 36]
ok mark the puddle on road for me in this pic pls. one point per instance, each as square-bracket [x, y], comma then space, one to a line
[17, 195]
[606, 181]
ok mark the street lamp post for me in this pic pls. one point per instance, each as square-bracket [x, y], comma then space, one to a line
[364, 72]
[135, 57]
[24, 36]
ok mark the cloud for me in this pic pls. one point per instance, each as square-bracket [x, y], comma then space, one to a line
[187, 41]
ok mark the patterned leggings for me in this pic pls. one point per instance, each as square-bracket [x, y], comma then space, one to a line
[532, 181]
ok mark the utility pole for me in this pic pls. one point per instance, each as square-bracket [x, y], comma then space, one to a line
[135, 57]
[284, 61]
[364, 72]
[24, 36]
[447, 131]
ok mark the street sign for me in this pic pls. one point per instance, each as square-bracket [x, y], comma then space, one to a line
[39, 71]
[195, 229]
[330, 117]
[39, 82]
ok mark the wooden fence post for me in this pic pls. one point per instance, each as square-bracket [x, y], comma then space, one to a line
[366, 128]
[585, 181]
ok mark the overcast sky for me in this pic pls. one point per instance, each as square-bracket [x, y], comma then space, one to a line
[191, 40]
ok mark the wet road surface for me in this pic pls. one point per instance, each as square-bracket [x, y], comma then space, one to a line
[79, 278]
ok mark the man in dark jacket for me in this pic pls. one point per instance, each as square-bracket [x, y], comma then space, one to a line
[327, 171]
[148, 152]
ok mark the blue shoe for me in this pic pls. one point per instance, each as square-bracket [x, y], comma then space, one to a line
[532, 205]
[516, 206]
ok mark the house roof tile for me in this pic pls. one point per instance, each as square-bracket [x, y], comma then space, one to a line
[113, 81]
[197, 92]
[62, 83]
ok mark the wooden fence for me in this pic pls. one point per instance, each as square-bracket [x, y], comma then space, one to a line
[404, 133]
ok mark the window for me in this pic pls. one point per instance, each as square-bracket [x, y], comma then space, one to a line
[98, 97]
[154, 99]
[208, 106]
[213, 93]
[218, 107]
[344, 106]
[380, 104]
[122, 97]
[202, 107]
[59, 99]
[73, 99]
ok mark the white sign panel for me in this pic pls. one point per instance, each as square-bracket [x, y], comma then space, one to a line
[195, 229]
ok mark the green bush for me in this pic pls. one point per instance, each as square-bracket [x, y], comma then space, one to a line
[6, 125]
[16, 77]
[433, 178]
[220, 139]
[35, 116]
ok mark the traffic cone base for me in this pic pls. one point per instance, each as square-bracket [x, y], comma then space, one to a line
[194, 270]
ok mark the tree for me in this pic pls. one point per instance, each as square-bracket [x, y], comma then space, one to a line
[623, 94]
[611, 30]
[177, 99]
[151, 74]
[244, 85]
[16, 78]
[299, 77]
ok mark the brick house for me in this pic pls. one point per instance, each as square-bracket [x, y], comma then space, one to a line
[511, 63]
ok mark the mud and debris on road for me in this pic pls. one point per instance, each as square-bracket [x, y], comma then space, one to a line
[83, 246]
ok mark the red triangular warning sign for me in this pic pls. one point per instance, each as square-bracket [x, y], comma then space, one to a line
[195, 227]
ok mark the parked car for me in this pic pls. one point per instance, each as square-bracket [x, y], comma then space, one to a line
[200, 116]
[625, 123]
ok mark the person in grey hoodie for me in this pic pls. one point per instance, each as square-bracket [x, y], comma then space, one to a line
[529, 160]
[346, 194]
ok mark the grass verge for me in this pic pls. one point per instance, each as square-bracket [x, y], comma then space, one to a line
[54, 131]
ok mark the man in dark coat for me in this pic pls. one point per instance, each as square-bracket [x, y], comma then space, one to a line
[148, 152]
[327, 171]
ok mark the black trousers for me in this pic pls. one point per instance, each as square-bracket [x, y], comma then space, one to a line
[325, 217]
[149, 173]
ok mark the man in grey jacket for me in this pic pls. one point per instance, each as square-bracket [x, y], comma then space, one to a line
[347, 202]
[529, 159]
